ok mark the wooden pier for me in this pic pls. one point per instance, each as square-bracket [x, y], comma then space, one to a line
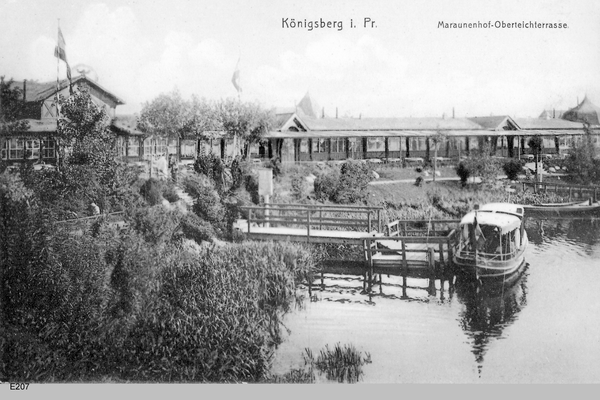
[312, 223]
[401, 247]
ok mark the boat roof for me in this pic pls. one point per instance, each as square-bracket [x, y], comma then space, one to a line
[503, 215]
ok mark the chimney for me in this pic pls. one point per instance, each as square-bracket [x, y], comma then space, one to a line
[360, 116]
[323, 112]
[554, 113]
[336, 113]
[452, 112]
[24, 90]
[444, 116]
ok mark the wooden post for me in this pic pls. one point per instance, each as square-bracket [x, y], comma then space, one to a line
[404, 260]
[249, 218]
[267, 200]
[369, 220]
[570, 192]
[379, 220]
[320, 218]
[308, 225]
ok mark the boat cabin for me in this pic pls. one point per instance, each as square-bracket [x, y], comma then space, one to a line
[495, 232]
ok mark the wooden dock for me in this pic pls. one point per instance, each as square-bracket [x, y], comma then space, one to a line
[400, 248]
[309, 222]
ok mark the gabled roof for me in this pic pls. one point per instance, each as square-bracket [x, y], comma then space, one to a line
[40, 91]
[496, 122]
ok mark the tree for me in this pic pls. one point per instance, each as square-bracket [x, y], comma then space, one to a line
[479, 163]
[11, 108]
[583, 162]
[168, 115]
[535, 143]
[247, 122]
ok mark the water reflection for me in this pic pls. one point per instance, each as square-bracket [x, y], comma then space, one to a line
[581, 231]
[489, 310]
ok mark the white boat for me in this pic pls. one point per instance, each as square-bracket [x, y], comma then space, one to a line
[492, 241]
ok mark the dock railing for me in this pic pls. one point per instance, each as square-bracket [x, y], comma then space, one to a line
[315, 216]
[434, 227]
[431, 253]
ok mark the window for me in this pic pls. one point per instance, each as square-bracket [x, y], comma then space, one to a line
[133, 147]
[32, 149]
[338, 145]
[394, 144]
[172, 146]
[188, 148]
[304, 146]
[16, 150]
[48, 148]
[120, 146]
[375, 144]
[320, 145]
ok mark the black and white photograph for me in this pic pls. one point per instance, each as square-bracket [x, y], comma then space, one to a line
[278, 193]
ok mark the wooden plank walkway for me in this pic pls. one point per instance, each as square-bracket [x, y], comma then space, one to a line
[279, 233]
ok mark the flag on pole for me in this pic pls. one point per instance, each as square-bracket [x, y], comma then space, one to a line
[236, 78]
[61, 53]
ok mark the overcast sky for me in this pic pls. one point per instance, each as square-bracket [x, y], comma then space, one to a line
[402, 66]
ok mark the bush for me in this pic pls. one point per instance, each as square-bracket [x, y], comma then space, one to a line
[463, 172]
[354, 179]
[512, 168]
[300, 188]
[151, 191]
[326, 185]
[275, 165]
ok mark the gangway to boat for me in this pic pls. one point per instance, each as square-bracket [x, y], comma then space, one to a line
[411, 246]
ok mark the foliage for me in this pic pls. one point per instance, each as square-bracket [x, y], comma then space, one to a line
[11, 110]
[275, 165]
[299, 186]
[341, 364]
[479, 163]
[169, 115]
[326, 184]
[354, 179]
[535, 143]
[211, 166]
[583, 162]
[419, 181]
[133, 305]
[512, 168]
[151, 192]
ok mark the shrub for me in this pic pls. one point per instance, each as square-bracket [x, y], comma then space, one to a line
[512, 168]
[300, 188]
[354, 179]
[419, 181]
[168, 192]
[151, 192]
[275, 165]
[463, 172]
[326, 185]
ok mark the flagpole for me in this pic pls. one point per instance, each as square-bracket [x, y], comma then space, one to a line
[56, 96]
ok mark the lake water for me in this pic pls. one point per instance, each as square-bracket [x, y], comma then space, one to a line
[544, 328]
